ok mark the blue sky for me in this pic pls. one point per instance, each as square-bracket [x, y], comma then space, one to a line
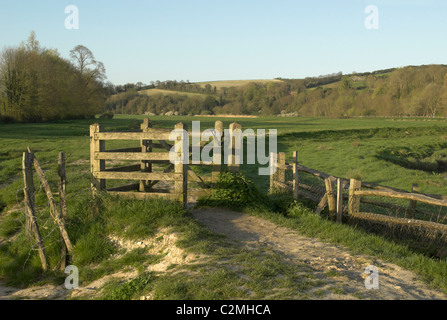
[199, 40]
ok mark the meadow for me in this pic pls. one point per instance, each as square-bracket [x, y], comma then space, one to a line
[385, 151]
[392, 152]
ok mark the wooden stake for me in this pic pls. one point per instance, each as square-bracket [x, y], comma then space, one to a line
[330, 195]
[340, 188]
[28, 183]
[272, 171]
[281, 177]
[63, 203]
[295, 176]
[29, 200]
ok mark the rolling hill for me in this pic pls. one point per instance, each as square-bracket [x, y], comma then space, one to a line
[412, 91]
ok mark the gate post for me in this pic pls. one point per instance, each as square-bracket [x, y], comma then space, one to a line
[354, 201]
[96, 165]
[217, 156]
[236, 141]
[181, 168]
[146, 166]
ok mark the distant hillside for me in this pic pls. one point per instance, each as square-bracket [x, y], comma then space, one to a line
[407, 91]
[234, 83]
[152, 92]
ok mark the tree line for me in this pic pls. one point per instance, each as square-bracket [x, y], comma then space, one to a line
[37, 84]
[409, 91]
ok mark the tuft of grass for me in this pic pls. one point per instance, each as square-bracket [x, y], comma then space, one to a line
[10, 224]
[114, 290]
[91, 248]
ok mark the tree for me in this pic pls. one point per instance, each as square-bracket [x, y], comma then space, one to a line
[431, 99]
[37, 84]
[91, 74]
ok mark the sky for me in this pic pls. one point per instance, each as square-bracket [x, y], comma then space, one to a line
[208, 40]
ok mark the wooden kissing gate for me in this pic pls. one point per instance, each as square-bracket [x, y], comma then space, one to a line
[152, 165]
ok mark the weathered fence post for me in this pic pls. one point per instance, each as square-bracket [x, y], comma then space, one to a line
[29, 200]
[146, 166]
[414, 189]
[295, 175]
[354, 201]
[281, 177]
[339, 201]
[273, 171]
[96, 165]
[217, 156]
[28, 183]
[180, 167]
[63, 204]
[234, 155]
[330, 195]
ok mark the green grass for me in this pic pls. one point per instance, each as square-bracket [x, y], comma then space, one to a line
[234, 83]
[151, 92]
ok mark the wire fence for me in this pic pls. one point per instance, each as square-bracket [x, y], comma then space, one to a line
[420, 225]
[49, 229]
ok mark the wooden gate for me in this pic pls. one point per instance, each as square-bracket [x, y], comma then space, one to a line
[151, 166]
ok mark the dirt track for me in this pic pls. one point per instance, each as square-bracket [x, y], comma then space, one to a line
[395, 283]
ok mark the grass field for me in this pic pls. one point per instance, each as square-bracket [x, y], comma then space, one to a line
[151, 92]
[234, 83]
[341, 147]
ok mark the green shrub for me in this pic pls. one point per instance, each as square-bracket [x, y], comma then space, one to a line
[129, 290]
[235, 191]
[107, 115]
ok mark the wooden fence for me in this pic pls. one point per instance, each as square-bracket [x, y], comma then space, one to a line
[333, 195]
[59, 215]
[144, 171]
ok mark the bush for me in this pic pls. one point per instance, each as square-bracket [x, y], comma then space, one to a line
[107, 115]
[235, 191]
[7, 119]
